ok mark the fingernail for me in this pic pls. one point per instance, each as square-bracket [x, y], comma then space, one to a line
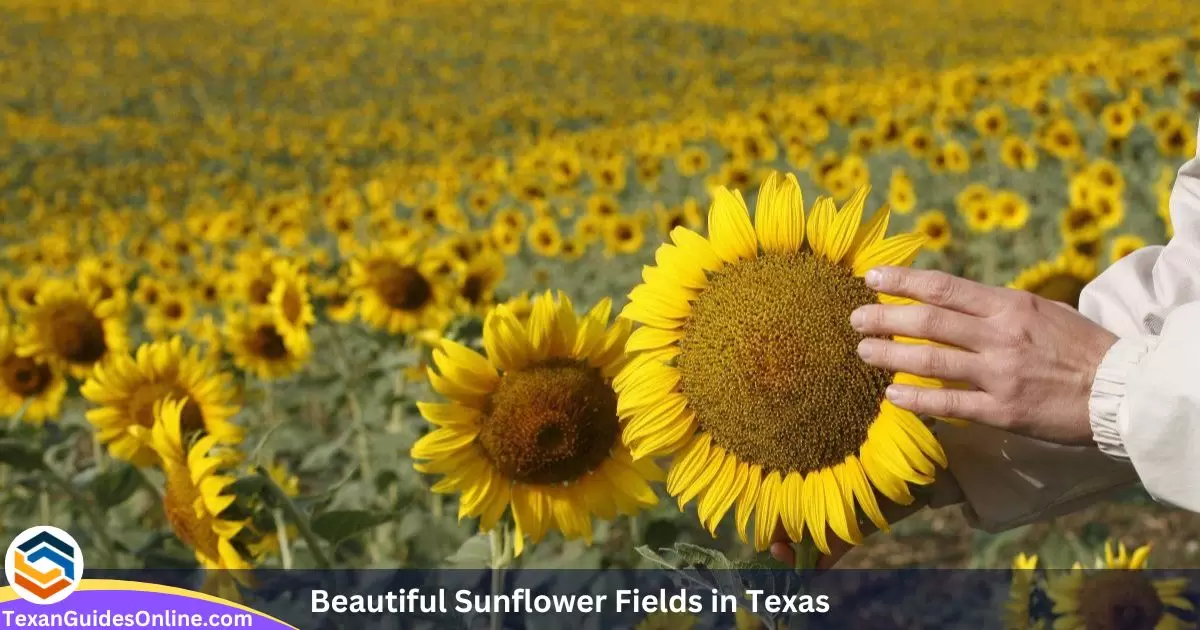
[873, 278]
[899, 395]
[858, 318]
[866, 348]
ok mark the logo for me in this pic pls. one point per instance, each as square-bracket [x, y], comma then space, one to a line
[43, 565]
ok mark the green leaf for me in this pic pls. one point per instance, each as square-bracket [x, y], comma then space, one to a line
[655, 557]
[320, 457]
[338, 525]
[20, 455]
[248, 487]
[475, 553]
[115, 485]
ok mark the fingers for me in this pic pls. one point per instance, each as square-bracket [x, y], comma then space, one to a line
[920, 359]
[950, 403]
[937, 288]
[781, 547]
[923, 322]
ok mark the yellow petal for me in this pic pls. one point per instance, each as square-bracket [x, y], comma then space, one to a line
[814, 509]
[871, 232]
[820, 224]
[767, 513]
[845, 227]
[729, 228]
[898, 251]
[791, 505]
[697, 248]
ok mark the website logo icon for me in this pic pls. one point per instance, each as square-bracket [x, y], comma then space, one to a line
[43, 565]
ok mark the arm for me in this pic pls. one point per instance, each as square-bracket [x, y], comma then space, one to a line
[1144, 402]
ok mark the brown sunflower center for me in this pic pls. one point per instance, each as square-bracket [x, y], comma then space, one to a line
[472, 288]
[292, 305]
[1119, 599]
[24, 376]
[260, 289]
[141, 406]
[550, 423]
[1061, 287]
[266, 342]
[768, 362]
[76, 334]
[401, 287]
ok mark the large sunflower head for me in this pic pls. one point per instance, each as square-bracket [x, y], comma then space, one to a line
[395, 293]
[72, 329]
[1117, 595]
[746, 368]
[28, 383]
[127, 389]
[260, 347]
[534, 424]
[195, 499]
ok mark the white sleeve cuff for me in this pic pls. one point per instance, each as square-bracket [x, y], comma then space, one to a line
[1108, 392]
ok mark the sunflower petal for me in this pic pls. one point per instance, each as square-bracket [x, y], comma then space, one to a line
[729, 228]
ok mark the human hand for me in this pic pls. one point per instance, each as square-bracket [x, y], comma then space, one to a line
[1028, 363]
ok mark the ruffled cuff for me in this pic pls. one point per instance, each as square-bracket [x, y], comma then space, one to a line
[1108, 392]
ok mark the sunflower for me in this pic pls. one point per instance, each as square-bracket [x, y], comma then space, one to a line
[290, 304]
[396, 292]
[692, 161]
[534, 425]
[1011, 210]
[623, 234]
[1118, 594]
[72, 329]
[127, 388]
[23, 290]
[1016, 153]
[1017, 608]
[1125, 245]
[195, 497]
[477, 283]
[544, 238]
[936, 228]
[28, 383]
[258, 346]
[172, 313]
[339, 303]
[901, 196]
[1061, 279]
[746, 368]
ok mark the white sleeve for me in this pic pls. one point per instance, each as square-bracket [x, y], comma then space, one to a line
[1145, 402]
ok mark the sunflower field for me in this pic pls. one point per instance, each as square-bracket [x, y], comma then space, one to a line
[543, 283]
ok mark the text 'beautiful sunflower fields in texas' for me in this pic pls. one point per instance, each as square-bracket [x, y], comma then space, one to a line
[538, 283]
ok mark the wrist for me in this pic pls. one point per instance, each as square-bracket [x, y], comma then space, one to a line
[1108, 390]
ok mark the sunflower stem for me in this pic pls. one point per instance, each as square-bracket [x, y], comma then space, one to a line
[99, 525]
[502, 552]
[297, 517]
[285, 550]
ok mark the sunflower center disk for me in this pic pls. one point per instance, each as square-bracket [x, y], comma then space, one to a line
[268, 343]
[141, 407]
[77, 335]
[768, 362]
[401, 287]
[1119, 600]
[24, 376]
[550, 423]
